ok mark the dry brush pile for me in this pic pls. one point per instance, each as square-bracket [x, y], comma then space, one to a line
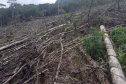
[55, 57]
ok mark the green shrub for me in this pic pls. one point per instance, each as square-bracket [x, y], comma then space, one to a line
[53, 22]
[80, 15]
[119, 35]
[25, 27]
[62, 20]
[75, 20]
[100, 19]
[75, 23]
[70, 28]
[119, 38]
[11, 33]
[93, 44]
[122, 58]
[66, 15]
[63, 11]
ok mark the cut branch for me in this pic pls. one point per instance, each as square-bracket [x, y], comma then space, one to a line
[14, 74]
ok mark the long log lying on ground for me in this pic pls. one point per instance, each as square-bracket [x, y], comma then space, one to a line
[12, 44]
[115, 67]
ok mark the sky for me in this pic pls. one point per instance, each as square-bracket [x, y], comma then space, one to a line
[29, 1]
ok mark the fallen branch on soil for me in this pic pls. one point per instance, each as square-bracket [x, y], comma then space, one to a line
[72, 47]
[10, 78]
[44, 65]
[31, 67]
[60, 60]
[6, 76]
[88, 58]
[115, 67]
[17, 62]
[34, 76]
[99, 72]
[11, 45]
[72, 43]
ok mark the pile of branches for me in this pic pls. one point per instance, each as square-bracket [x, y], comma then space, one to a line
[41, 59]
[51, 58]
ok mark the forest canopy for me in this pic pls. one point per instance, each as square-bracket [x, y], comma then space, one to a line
[27, 12]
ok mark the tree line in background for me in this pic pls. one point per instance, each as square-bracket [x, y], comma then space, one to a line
[27, 12]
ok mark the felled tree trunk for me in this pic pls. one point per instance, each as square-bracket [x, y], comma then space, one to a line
[12, 44]
[115, 67]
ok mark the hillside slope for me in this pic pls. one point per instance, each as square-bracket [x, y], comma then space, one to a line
[60, 49]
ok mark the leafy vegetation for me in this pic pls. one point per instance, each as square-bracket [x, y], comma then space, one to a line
[119, 37]
[93, 44]
[27, 12]
[53, 22]
[43, 33]
[70, 28]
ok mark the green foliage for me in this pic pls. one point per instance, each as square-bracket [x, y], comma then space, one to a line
[70, 28]
[75, 22]
[24, 12]
[78, 58]
[52, 54]
[100, 19]
[61, 40]
[71, 34]
[53, 23]
[122, 58]
[63, 11]
[6, 39]
[53, 47]
[93, 44]
[25, 27]
[119, 37]
[11, 33]
[75, 79]
[66, 15]
[43, 33]
[70, 51]
[62, 20]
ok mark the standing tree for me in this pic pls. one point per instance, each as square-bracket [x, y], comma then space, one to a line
[12, 2]
[90, 10]
[118, 4]
[1, 5]
[58, 8]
